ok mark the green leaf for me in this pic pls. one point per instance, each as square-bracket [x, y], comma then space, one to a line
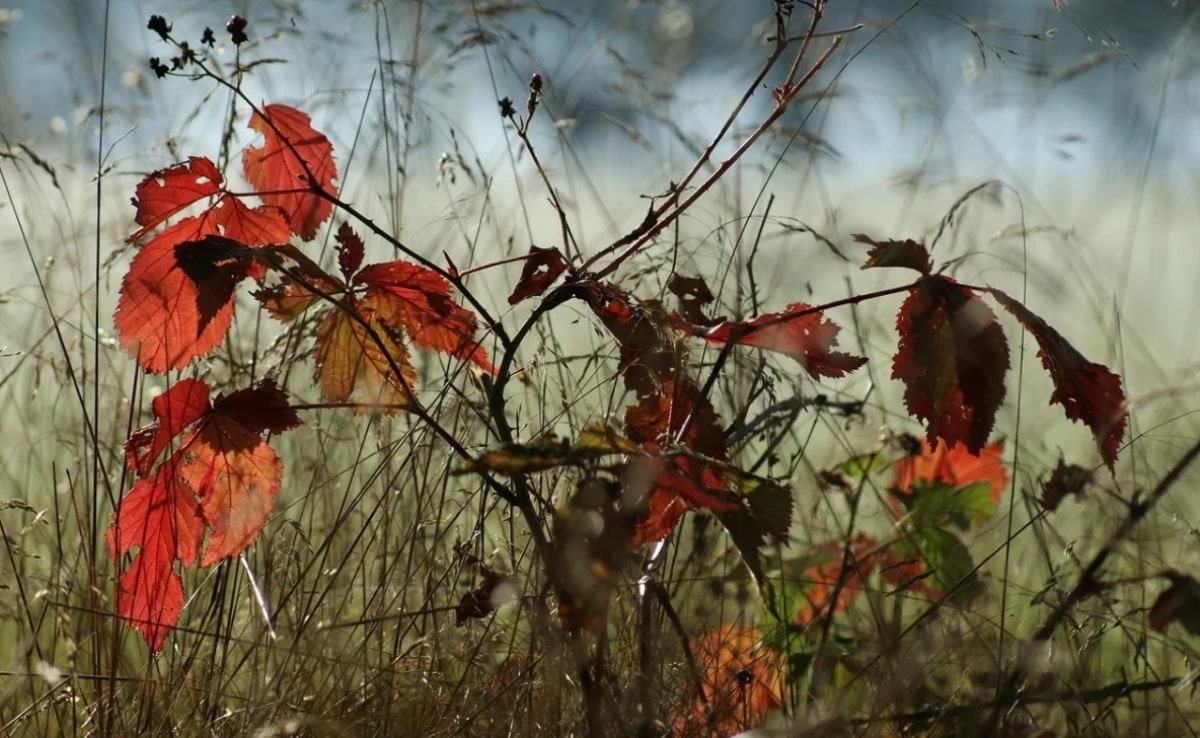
[938, 504]
[947, 558]
[863, 465]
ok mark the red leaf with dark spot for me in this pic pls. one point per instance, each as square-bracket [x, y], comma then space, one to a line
[542, 267]
[163, 317]
[952, 358]
[221, 476]
[1088, 392]
[798, 332]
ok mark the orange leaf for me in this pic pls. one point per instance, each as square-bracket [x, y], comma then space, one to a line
[741, 680]
[350, 365]
[805, 336]
[955, 466]
[822, 577]
[279, 170]
[952, 359]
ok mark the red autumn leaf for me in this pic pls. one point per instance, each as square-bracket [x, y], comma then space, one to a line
[418, 299]
[182, 404]
[350, 250]
[236, 474]
[163, 316]
[222, 477]
[649, 353]
[165, 192]
[162, 519]
[542, 267]
[670, 486]
[741, 679]
[952, 358]
[279, 170]
[1088, 392]
[805, 336]
[664, 508]
[908, 254]
[830, 565]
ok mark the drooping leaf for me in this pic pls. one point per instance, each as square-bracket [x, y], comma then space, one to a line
[1088, 392]
[350, 250]
[1178, 603]
[279, 170]
[805, 336]
[163, 317]
[828, 564]
[419, 299]
[542, 267]
[952, 358]
[741, 679]
[649, 354]
[908, 254]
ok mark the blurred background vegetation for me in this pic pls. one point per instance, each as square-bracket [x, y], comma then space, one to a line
[1083, 114]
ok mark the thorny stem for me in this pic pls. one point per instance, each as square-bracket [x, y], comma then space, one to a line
[788, 92]
[568, 237]
[659, 218]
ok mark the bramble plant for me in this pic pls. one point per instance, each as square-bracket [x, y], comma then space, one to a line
[207, 476]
